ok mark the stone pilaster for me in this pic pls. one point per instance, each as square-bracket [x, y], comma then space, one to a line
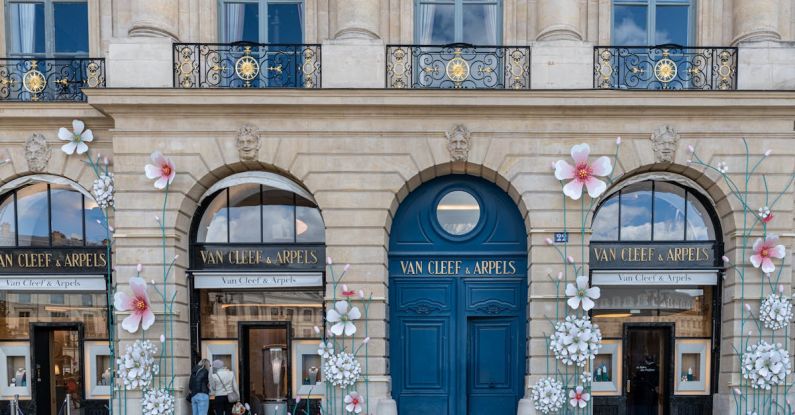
[357, 19]
[559, 20]
[154, 18]
[756, 20]
[354, 58]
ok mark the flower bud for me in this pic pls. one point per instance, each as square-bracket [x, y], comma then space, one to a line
[297, 400]
[570, 259]
[737, 391]
[553, 165]
[328, 260]
[153, 282]
[560, 275]
[690, 148]
[725, 260]
[781, 289]
[316, 329]
[747, 307]
[618, 140]
[768, 153]
[346, 267]
[345, 287]
[549, 241]
[361, 294]
[105, 161]
[162, 338]
[139, 267]
[366, 340]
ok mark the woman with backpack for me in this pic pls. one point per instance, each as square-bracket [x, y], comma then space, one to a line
[224, 386]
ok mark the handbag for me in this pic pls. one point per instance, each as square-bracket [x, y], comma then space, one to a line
[231, 396]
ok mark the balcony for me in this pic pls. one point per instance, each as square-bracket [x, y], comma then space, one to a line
[665, 67]
[458, 66]
[46, 79]
[246, 65]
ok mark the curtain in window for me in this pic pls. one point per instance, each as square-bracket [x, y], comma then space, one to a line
[233, 22]
[490, 17]
[23, 25]
[425, 14]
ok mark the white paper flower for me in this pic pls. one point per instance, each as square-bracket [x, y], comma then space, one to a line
[775, 311]
[157, 402]
[586, 378]
[342, 316]
[77, 138]
[548, 396]
[578, 398]
[723, 167]
[136, 366]
[766, 365]
[342, 369]
[325, 350]
[354, 402]
[103, 190]
[575, 341]
[581, 294]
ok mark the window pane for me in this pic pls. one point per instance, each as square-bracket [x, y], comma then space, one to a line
[33, 216]
[605, 225]
[480, 24]
[71, 27]
[636, 212]
[96, 235]
[213, 226]
[278, 220]
[241, 22]
[458, 212]
[672, 25]
[67, 217]
[18, 310]
[285, 23]
[309, 226]
[669, 212]
[26, 27]
[8, 228]
[244, 213]
[629, 25]
[699, 224]
[436, 24]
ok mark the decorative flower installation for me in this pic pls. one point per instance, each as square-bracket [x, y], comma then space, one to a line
[578, 398]
[776, 311]
[326, 349]
[342, 369]
[157, 402]
[138, 304]
[764, 214]
[581, 294]
[583, 173]
[136, 367]
[103, 190]
[547, 395]
[586, 378]
[764, 252]
[161, 170]
[576, 340]
[77, 138]
[766, 365]
[342, 317]
[723, 167]
[354, 402]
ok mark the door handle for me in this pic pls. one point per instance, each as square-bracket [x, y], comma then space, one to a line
[628, 388]
[38, 373]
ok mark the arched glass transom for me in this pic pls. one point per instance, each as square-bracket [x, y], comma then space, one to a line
[259, 214]
[653, 211]
[50, 215]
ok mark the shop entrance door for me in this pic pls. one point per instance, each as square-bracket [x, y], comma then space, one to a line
[647, 365]
[57, 368]
[264, 357]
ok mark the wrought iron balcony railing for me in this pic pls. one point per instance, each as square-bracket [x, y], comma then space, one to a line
[458, 66]
[46, 79]
[246, 65]
[665, 67]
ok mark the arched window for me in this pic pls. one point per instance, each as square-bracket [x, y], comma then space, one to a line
[41, 214]
[261, 214]
[653, 211]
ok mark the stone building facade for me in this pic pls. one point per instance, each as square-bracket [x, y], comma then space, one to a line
[358, 148]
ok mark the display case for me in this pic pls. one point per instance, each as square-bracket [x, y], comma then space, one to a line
[692, 367]
[606, 369]
[98, 368]
[307, 374]
[15, 372]
[223, 350]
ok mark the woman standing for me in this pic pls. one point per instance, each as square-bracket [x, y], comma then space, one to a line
[199, 388]
[224, 386]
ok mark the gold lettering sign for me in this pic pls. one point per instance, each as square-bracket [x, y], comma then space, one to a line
[652, 255]
[254, 256]
[451, 267]
[55, 260]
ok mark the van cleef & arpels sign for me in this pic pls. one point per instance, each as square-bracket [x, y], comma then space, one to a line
[652, 255]
[258, 257]
[458, 267]
[53, 260]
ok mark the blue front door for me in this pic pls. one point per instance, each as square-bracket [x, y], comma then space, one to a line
[458, 267]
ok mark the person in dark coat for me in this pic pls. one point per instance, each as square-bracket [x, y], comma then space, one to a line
[199, 388]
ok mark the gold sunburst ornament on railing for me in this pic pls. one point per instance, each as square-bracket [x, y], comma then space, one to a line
[665, 69]
[246, 67]
[457, 68]
[34, 81]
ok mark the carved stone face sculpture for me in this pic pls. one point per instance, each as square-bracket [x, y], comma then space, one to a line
[37, 153]
[248, 143]
[458, 141]
[664, 141]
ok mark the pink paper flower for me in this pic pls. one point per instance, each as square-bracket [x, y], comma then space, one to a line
[162, 169]
[348, 293]
[583, 173]
[138, 304]
[578, 397]
[764, 250]
[353, 402]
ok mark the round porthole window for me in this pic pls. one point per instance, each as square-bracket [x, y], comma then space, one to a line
[458, 212]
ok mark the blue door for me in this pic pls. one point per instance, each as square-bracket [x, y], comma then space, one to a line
[458, 295]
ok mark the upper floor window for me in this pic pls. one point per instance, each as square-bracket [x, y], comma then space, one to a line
[47, 28]
[262, 21]
[652, 22]
[440, 22]
[653, 211]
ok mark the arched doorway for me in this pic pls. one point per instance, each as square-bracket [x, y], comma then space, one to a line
[257, 279]
[655, 252]
[457, 295]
